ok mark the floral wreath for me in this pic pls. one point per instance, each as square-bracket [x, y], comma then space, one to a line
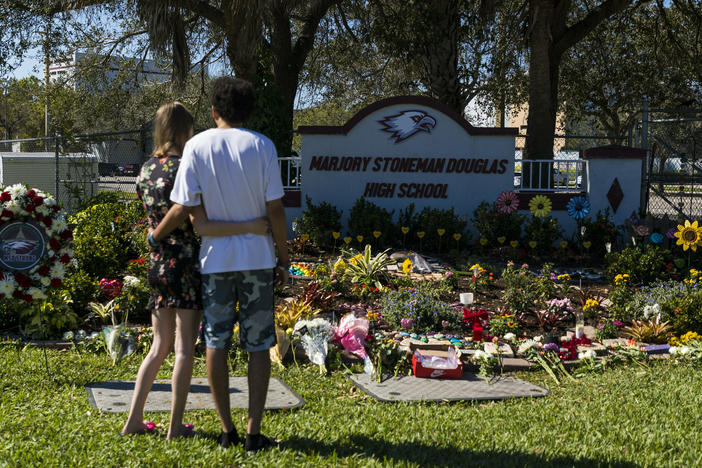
[19, 203]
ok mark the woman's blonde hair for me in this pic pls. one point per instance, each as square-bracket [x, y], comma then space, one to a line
[172, 127]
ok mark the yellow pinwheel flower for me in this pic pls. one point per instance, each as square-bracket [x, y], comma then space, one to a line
[689, 236]
[407, 266]
[540, 206]
[441, 232]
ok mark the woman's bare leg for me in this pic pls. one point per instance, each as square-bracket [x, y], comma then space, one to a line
[187, 327]
[163, 322]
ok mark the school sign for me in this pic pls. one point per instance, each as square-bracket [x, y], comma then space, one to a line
[403, 150]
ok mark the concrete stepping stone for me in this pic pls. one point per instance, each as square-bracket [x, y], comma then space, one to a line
[470, 387]
[115, 396]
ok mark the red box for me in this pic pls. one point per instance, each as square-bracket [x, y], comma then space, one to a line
[424, 372]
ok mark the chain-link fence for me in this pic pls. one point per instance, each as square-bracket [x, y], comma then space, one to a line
[77, 168]
[673, 170]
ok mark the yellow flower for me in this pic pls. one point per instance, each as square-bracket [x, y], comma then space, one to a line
[564, 244]
[511, 324]
[514, 244]
[590, 304]
[540, 206]
[694, 273]
[483, 241]
[289, 331]
[131, 298]
[407, 266]
[688, 236]
[441, 232]
[340, 266]
[564, 277]
[404, 229]
[501, 239]
[116, 306]
[336, 235]
[587, 244]
[359, 238]
[421, 234]
[347, 240]
[354, 260]
[532, 244]
[236, 329]
[456, 236]
[376, 234]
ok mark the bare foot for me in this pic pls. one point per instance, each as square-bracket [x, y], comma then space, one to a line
[137, 428]
[184, 430]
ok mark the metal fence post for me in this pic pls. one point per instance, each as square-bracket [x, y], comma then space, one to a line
[56, 166]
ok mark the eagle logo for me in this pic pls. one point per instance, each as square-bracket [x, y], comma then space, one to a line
[405, 124]
[22, 247]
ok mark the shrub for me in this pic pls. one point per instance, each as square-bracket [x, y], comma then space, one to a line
[366, 217]
[421, 306]
[319, 221]
[544, 231]
[82, 289]
[491, 223]
[107, 235]
[680, 304]
[599, 232]
[520, 292]
[429, 221]
[643, 266]
[49, 318]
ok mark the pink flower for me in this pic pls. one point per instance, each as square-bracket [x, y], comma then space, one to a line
[507, 202]
[495, 339]
[406, 323]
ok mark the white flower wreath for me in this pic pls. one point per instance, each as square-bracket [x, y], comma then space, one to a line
[19, 203]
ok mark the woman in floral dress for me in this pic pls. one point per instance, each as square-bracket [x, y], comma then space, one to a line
[174, 271]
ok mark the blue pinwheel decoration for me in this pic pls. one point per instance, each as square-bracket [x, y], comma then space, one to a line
[578, 207]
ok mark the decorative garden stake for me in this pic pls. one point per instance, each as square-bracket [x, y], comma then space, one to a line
[347, 240]
[376, 234]
[359, 238]
[404, 230]
[441, 233]
[456, 237]
[420, 234]
[336, 236]
[501, 239]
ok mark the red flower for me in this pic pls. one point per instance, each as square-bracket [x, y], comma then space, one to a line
[138, 261]
[17, 294]
[55, 283]
[55, 208]
[67, 234]
[65, 259]
[47, 221]
[43, 270]
[38, 201]
[29, 208]
[23, 280]
[54, 243]
[27, 298]
[31, 193]
[7, 214]
[5, 196]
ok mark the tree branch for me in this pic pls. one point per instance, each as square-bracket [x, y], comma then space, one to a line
[305, 41]
[576, 32]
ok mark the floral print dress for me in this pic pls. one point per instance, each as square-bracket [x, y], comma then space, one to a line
[174, 270]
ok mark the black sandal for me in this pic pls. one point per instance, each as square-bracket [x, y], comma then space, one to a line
[226, 439]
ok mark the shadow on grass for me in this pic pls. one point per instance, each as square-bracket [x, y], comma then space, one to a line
[424, 455]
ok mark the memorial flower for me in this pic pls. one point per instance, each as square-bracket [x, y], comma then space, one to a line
[688, 235]
[407, 266]
[540, 206]
[578, 207]
[507, 202]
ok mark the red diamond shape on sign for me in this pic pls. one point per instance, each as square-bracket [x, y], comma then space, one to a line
[615, 195]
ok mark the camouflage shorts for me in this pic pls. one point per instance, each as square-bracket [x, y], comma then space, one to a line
[254, 291]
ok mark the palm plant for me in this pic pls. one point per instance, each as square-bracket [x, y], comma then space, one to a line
[364, 269]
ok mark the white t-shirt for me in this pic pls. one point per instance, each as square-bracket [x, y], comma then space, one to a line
[233, 172]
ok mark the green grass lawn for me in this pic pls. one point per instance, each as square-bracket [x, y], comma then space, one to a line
[624, 417]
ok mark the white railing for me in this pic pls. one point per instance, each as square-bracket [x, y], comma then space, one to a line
[551, 175]
[290, 172]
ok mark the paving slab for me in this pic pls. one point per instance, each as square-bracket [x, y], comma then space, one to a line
[470, 387]
[115, 396]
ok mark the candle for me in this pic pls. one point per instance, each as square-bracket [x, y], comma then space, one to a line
[466, 299]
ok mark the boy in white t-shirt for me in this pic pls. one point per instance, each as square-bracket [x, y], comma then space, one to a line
[234, 173]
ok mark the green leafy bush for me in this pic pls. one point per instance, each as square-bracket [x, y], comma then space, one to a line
[107, 235]
[520, 292]
[82, 289]
[544, 231]
[643, 266]
[366, 217]
[491, 223]
[48, 319]
[319, 221]
[430, 220]
[679, 303]
[599, 231]
[420, 306]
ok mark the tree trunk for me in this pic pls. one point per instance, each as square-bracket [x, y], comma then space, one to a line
[441, 57]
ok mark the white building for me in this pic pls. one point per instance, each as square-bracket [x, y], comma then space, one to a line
[68, 71]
